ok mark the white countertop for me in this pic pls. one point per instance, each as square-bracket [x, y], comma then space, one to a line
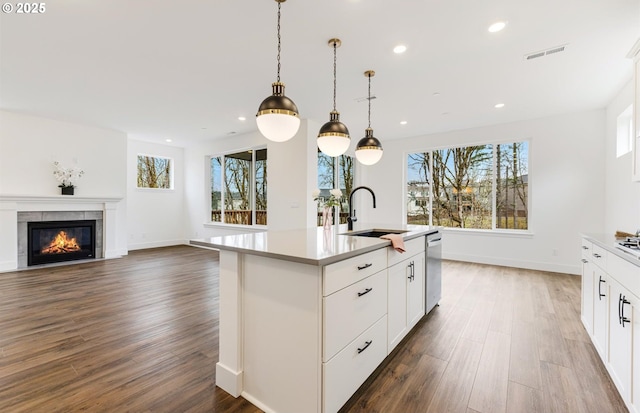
[314, 246]
[608, 242]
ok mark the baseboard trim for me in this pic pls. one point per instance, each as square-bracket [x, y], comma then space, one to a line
[529, 265]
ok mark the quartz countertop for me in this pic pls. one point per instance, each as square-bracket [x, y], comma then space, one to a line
[608, 242]
[314, 246]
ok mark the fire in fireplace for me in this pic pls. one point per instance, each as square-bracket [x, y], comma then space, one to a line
[58, 241]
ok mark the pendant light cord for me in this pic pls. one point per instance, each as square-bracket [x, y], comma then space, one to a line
[334, 74]
[278, 78]
[369, 76]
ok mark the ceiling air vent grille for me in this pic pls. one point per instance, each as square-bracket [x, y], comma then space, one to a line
[553, 50]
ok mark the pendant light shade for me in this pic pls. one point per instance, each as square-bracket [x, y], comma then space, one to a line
[369, 148]
[333, 138]
[277, 116]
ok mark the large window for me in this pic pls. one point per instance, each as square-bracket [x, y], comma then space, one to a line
[335, 172]
[480, 187]
[239, 188]
[155, 172]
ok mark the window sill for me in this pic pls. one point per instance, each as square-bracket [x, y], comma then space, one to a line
[490, 232]
[254, 228]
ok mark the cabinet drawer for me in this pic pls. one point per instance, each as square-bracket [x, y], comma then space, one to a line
[411, 247]
[350, 368]
[343, 273]
[627, 274]
[350, 311]
[599, 256]
[586, 249]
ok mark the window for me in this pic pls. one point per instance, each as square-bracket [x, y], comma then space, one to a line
[479, 187]
[239, 188]
[335, 173]
[155, 172]
[624, 132]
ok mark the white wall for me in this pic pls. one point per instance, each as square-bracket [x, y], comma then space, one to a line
[622, 196]
[155, 217]
[29, 145]
[567, 187]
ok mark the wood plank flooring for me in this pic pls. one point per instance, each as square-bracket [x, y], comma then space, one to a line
[140, 334]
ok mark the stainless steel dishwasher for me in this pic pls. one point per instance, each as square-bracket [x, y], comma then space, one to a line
[433, 284]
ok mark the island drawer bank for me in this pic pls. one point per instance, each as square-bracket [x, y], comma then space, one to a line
[610, 311]
[305, 315]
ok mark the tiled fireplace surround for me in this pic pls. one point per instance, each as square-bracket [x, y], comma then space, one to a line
[16, 211]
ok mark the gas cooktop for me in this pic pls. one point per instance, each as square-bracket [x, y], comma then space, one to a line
[630, 245]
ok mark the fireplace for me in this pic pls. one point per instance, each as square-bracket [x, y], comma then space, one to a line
[58, 241]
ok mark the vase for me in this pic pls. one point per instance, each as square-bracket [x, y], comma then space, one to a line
[67, 190]
[327, 217]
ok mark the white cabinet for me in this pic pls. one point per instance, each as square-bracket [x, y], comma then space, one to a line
[611, 315]
[587, 286]
[406, 293]
[622, 305]
[600, 312]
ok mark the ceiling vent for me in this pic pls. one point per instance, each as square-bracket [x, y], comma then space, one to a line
[553, 50]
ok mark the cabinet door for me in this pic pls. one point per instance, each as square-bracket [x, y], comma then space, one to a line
[397, 303]
[416, 290]
[587, 294]
[634, 312]
[600, 312]
[621, 309]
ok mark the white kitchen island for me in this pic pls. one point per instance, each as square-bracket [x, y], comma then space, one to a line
[307, 315]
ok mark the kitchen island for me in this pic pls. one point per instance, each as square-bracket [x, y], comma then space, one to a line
[307, 315]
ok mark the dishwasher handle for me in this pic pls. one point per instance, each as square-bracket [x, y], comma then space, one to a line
[434, 242]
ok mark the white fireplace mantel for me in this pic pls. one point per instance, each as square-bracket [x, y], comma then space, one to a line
[10, 205]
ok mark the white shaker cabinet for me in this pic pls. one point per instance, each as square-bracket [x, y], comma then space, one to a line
[406, 290]
[611, 315]
[587, 286]
[600, 312]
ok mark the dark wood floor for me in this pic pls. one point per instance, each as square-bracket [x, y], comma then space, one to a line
[140, 334]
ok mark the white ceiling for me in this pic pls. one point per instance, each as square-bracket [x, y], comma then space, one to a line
[186, 69]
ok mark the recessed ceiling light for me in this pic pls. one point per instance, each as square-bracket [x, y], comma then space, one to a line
[497, 26]
[403, 122]
[242, 118]
[168, 140]
[444, 113]
[399, 49]
[499, 105]
[436, 94]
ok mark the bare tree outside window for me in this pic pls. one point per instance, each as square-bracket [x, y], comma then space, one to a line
[155, 172]
[454, 187]
[239, 188]
[338, 169]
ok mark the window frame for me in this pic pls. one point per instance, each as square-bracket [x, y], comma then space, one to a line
[252, 188]
[336, 180]
[493, 229]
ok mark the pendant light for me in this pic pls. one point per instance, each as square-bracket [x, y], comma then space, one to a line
[369, 149]
[277, 116]
[333, 138]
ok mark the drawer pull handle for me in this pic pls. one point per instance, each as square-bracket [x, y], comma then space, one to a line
[600, 295]
[366, 291]
[585, 248]
[584, 261]
[366, 344]
[362, 267]
[622, 302]
[597, 255]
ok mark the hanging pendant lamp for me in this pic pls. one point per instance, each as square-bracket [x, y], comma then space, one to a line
[369, 149]
[277, 116]
[333, 138]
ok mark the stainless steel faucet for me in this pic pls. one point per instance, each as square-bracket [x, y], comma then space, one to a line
[352, 213]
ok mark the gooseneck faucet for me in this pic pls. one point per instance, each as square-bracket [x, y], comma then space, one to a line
[352, 213]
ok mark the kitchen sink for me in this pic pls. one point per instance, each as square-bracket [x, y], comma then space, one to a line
[374, 233]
